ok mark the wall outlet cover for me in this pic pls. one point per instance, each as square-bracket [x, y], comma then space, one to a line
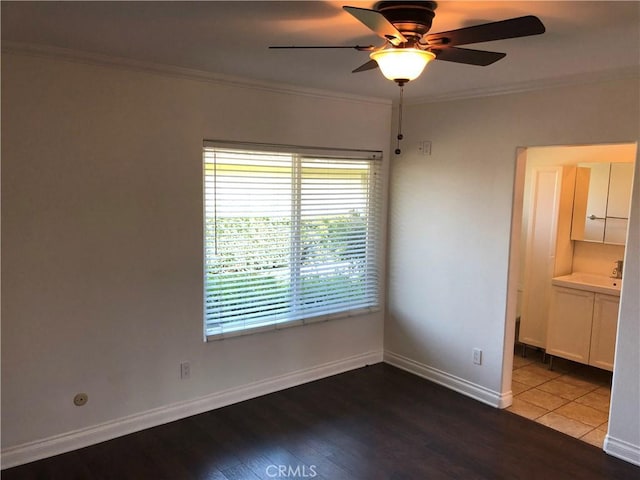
[477, 356]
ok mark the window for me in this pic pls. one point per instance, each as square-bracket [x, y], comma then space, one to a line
[291, 236]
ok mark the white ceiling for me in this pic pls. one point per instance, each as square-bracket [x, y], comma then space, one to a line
[231, 38]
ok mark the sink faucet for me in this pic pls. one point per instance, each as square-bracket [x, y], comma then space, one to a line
[617, 270]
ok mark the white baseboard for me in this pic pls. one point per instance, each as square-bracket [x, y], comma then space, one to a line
[55, 445]
[623, 450]
[460, 385]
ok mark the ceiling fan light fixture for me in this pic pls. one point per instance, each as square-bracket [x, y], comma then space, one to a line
[402, 64]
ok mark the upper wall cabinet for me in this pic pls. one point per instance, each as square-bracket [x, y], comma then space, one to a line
[601, 202]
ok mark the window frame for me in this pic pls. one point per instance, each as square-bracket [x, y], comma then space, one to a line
[374, 226]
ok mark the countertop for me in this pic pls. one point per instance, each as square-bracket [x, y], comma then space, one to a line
[590, 282]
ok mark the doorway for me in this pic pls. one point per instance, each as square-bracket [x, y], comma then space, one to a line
[574, 395]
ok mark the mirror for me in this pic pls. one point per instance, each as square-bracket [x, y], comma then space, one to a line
[590, 202]
[601, 202]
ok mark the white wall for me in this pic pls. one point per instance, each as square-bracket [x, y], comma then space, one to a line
[598, 258]
[450, 230]
[102, 248]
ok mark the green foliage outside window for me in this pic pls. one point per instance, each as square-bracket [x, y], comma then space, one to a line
[324, 257]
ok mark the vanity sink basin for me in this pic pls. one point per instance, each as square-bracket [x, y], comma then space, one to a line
[590, 282]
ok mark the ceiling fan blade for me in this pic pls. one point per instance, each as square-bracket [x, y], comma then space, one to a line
[378, 23]
[370, 65]
[512, 28]
[361, 48]
[481, 58]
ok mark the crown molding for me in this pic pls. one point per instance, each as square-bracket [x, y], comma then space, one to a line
[632, 71]
[77, 56]
[98, 59]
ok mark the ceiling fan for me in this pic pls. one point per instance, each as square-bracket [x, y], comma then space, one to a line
[408, 46]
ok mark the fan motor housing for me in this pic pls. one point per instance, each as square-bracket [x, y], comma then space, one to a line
[410, 18]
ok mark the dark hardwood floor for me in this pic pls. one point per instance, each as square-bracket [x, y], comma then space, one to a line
[376, 422]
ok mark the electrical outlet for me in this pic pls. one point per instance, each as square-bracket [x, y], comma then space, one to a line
[185, 370]
[477, 356]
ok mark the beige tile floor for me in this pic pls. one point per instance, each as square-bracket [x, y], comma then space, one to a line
[571, 398]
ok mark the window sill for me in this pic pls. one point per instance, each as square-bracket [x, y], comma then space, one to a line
[231, 332]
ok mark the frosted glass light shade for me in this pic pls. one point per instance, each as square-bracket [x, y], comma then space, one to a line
[402, 64]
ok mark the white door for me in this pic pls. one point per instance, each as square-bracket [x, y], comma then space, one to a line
[540, 251]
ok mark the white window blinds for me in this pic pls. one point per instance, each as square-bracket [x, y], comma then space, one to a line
[291, 236]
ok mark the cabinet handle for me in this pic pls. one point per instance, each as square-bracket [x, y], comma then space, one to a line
[593, 217]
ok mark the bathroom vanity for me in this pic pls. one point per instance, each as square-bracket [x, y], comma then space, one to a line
[583, 318]
[576, 218]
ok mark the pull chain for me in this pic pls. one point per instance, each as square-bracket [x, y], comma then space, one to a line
[399, 137]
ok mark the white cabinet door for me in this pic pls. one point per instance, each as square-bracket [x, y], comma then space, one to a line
[620, 190]
[603, 331]
[615, 231]
[618, 202]
[569, 328]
